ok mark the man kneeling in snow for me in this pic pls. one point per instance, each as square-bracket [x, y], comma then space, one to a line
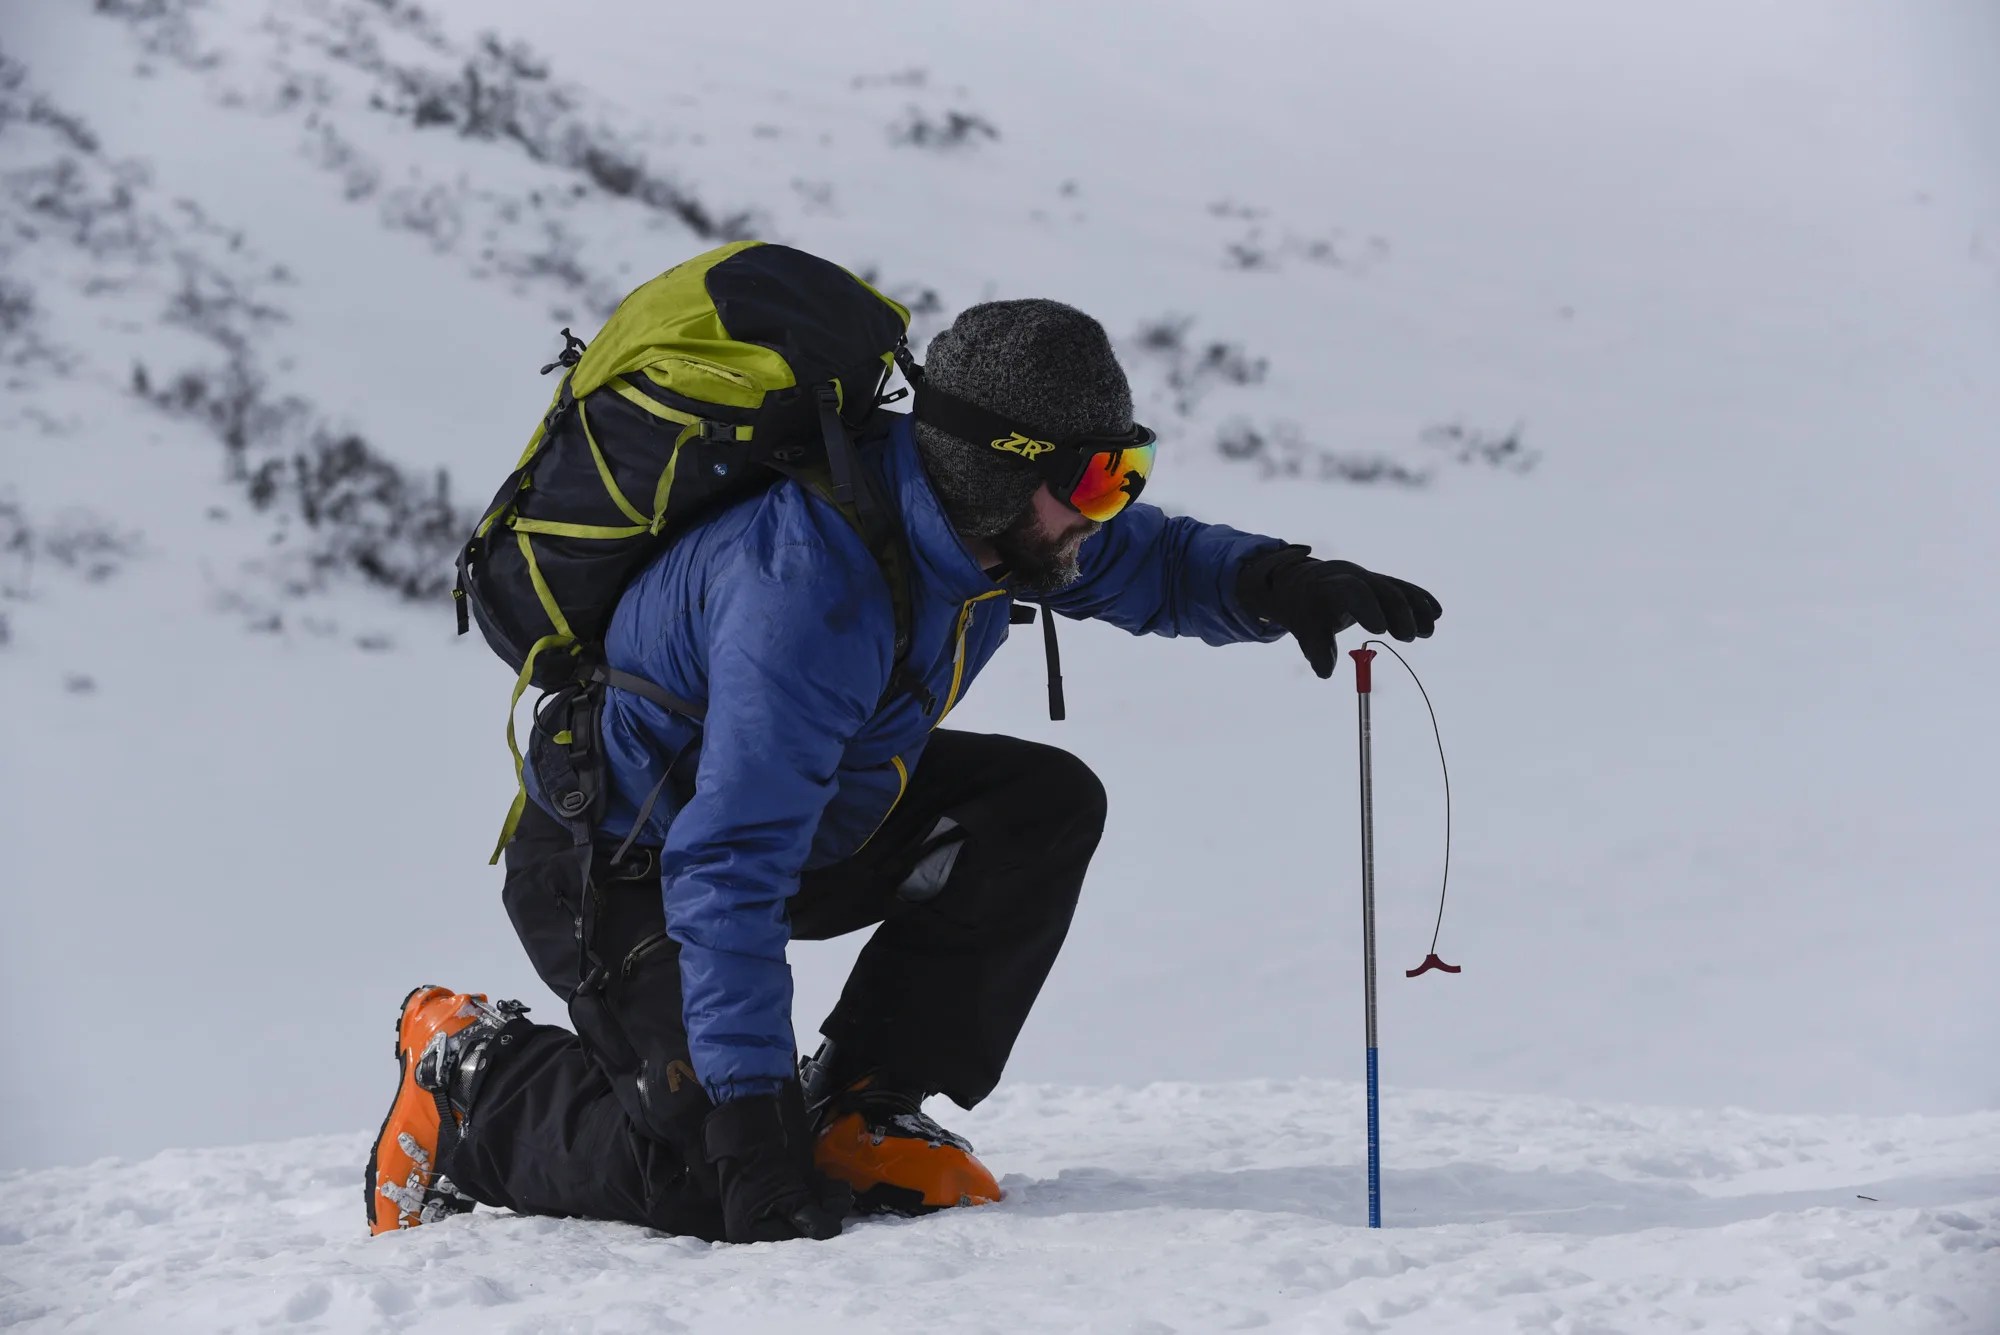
[820, 807]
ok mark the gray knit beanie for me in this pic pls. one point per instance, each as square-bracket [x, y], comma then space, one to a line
[1045, 367]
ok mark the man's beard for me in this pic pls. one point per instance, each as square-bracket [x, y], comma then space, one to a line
[1036, 562]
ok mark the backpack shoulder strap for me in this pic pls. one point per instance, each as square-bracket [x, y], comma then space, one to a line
[847, 486]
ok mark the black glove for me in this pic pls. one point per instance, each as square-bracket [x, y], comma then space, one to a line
[1315, 600]
[761, 1147]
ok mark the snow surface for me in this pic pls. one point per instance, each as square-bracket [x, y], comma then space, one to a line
[1170, 1207]
[1715, 671]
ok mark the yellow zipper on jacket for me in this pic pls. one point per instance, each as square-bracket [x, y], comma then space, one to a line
[958, 660]
[902, 786]
[951, 698]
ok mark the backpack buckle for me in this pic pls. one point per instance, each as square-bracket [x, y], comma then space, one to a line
[558, 410]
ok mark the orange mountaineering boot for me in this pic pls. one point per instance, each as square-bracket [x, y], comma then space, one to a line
[872, 1134]
[440, 1038]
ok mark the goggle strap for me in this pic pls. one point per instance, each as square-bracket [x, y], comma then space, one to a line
[964, 419]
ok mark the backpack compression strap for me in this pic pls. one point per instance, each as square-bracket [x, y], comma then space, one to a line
[645, 690]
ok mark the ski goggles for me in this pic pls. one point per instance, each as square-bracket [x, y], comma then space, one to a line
[1097, 476]
[1103, 474]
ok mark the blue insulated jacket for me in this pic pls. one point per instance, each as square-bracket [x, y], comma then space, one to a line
[775, 615]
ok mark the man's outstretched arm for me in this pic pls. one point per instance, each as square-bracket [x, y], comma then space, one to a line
[1151, 574]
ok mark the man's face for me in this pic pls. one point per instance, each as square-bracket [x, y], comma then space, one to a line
[1042, 547]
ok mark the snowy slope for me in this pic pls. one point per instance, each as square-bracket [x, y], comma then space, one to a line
[1714, 672]
[1166, 1208]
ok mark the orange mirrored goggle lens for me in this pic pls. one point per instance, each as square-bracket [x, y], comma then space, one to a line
[1112, 480]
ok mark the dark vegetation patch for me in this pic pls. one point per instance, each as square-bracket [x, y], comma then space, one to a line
[1281, 450]
[1194, 369]
[942, 131]
[74, 542]
[1260, 243]
[1477, 446]
[360, 514]
[356, 513]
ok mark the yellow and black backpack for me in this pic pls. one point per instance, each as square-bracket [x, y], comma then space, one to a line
[747, 364]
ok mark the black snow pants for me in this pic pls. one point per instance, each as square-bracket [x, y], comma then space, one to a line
[973, 878]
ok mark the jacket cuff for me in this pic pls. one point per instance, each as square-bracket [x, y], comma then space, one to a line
[1261, 629]
[744, 1087]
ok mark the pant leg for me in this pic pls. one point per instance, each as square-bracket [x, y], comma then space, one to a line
[547, 1136]
[605, 1122]
[942, 989]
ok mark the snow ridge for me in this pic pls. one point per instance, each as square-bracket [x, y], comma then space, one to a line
[141, 301]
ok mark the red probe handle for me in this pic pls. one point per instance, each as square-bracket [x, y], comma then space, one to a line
[1364, 673]
[1431, 961]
